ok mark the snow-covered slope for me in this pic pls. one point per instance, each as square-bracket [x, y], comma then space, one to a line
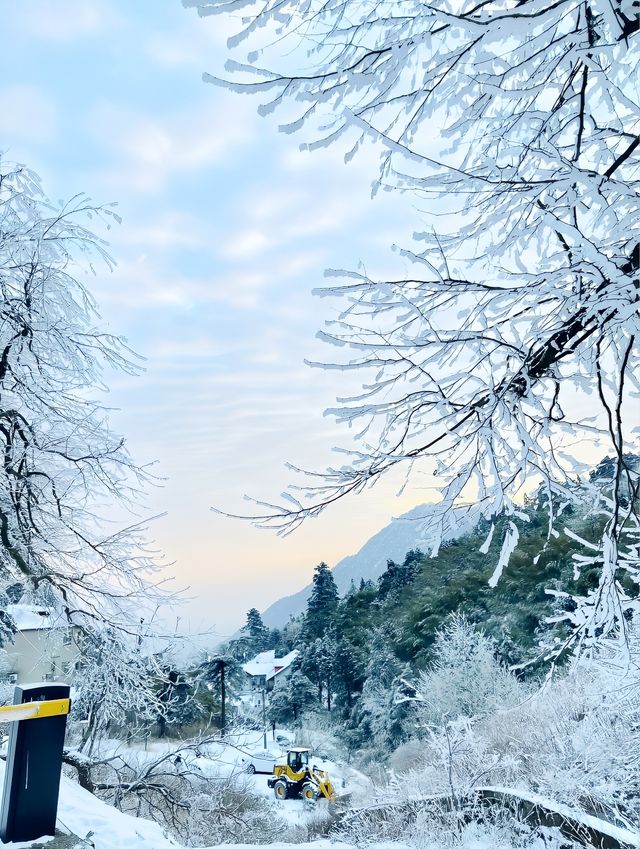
[80, 813]
[391, 543]
[104, 827]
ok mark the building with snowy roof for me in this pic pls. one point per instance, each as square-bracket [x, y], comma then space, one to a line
[265, 669]
[43, 648]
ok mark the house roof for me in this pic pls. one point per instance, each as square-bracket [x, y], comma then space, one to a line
[31, 617]
[266, 663]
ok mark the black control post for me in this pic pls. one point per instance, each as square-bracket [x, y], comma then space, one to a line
[34, 763]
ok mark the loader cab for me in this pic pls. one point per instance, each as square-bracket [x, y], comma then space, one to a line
[298, 760]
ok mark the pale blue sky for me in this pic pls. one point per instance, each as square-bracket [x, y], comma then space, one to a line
[226, 229]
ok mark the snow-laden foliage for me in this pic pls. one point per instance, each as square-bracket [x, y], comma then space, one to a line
[198, 806]
[210, 811]
[436, 827]
[65, 477]
[465, 678]
[116, 686]
[377, 716]
[63, 469]
[576, 740]
[510, 336]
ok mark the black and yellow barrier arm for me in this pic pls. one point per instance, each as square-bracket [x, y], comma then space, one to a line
[35, 710]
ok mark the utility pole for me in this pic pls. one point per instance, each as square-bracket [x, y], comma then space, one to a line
[264, 721]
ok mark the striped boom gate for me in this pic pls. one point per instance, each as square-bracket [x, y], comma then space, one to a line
[34, 761]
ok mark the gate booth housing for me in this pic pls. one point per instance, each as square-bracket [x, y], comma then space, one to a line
[34, 761]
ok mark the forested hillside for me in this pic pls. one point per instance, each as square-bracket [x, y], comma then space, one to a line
[373, 642]
[410, 530]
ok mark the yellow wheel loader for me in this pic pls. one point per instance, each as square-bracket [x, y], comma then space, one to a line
[295, 779]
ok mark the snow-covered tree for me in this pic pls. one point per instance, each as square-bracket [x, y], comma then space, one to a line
[317, 662]
[63, 469]
[399, 575]
[257, 633]
[465, 679]
[510, 334]
[117, 685]
[322, 604]
[377, 717]
[290, 699]
[348, 672]
[222, 674]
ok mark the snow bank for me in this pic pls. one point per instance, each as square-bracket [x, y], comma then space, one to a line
[82, 814]
[317, 844]
[622, 835]
[79, 812]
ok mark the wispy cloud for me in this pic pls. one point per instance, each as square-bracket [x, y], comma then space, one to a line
[227, 228]
[164, 231]
[149, 151]
[64, 20]
[194, 44]
[246, 244]
[27, 114]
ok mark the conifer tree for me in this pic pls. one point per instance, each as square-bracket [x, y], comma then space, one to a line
[348, 673]
[317, 664]
[290, 699]
[322, 605]
[257, 631]
[399, 575]
[374, 715]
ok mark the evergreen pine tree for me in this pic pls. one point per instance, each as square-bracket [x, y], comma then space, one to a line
[322, 605]
[291, 699]
[374, 715]
[317, 664]
[257, 632]
[348, 673]
[397, 576]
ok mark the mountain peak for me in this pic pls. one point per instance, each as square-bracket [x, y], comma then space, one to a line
[413, 529]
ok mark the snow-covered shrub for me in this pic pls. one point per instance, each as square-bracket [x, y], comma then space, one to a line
[408, 756]
[316, 824]
[228, 810]
[434, 825]
[576, 741]
[465, 677]
[319, 734]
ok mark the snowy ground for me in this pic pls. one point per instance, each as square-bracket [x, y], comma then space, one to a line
[107, 828]
[226, 759]
[84, 815]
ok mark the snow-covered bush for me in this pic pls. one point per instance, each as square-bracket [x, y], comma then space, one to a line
[433, 825]
[228, 810]
[408, 756]
[319, 734]
[465, 677]
[576, 740]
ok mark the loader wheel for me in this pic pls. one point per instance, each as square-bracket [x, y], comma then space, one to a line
[280, 790]
[309, 793]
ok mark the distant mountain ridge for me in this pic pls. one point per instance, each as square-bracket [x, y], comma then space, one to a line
[406, 532]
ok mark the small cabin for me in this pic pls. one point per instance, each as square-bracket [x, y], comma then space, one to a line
[265, 670]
